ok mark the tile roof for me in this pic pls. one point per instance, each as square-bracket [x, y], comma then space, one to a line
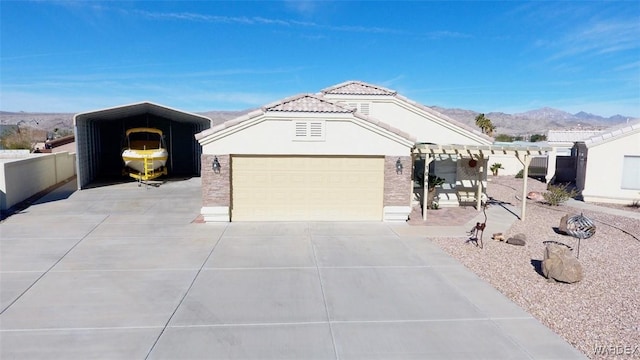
[357, 88]
[304, 103]
[614, 133]
[570, 135]
[308, 103]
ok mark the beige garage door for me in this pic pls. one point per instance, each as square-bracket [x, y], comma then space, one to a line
[307, 188]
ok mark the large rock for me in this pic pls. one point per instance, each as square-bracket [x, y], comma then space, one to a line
[559, 264]
[517, 239]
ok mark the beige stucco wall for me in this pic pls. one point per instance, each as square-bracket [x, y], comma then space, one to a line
[274, 135]
[604, 170]
[23, 178]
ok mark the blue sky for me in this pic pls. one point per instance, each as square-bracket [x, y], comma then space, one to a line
[71, 56]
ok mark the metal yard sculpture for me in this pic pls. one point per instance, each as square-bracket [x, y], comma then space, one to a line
[580, 227]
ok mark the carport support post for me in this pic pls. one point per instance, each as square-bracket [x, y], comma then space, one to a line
[425, 186]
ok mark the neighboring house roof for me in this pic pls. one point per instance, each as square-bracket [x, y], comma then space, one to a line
[357, 88]
[614, 133]
[304, 103]
[570, 136]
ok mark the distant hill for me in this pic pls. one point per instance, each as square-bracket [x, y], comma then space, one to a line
[64, 121]
[534, 121]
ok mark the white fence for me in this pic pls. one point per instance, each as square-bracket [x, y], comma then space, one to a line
[21, 178]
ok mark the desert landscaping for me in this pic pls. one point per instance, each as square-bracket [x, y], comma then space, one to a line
[602, 311]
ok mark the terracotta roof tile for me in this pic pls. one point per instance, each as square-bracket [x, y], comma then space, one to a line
[308, 103]
[357, 88]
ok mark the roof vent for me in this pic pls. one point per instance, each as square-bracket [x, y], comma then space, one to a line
[309, 130]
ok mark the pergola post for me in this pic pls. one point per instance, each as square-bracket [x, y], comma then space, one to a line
[525, 177]
[425, 186]
[413, 178]
[479, 187]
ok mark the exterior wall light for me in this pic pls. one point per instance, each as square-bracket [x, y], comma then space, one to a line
[216, 165]
[398, 167]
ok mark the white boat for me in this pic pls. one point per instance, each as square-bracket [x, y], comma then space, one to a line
[145, 155]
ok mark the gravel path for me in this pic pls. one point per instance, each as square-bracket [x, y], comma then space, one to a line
[601, 310]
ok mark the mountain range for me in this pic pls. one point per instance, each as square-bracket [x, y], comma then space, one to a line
[535, 121]
[531, 122]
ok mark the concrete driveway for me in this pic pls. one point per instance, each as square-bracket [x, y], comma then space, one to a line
[122, 272]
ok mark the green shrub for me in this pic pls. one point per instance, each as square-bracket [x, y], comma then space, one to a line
[520, 174]
[557, 194]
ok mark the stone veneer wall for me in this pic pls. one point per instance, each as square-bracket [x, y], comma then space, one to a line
[397, 187]
[216, 188]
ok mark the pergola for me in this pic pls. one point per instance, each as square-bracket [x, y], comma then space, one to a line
[479, 152]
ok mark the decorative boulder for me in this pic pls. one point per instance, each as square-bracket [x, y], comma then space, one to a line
[559, 264]
[517, 239]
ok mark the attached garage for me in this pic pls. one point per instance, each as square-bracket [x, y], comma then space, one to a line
[305, 159]
[298, 188]
[100, 138]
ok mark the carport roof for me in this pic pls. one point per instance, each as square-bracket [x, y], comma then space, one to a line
[145, 107]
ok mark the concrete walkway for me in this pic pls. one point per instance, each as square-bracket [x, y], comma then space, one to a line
[618, 212]
[122, 272]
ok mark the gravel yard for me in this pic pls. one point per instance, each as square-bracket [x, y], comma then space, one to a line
[602, 310]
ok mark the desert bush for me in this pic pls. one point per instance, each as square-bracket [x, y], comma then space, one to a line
[557, 194]
[520, 174]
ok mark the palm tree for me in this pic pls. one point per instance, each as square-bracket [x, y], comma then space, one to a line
[485, 124]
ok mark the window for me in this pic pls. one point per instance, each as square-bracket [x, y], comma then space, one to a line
[309, 130]
[631, 173]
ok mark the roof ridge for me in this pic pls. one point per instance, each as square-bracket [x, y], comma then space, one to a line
[351, 89]
[313, 103]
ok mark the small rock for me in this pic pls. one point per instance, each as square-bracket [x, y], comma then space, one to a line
[517, 239]
[560, 265]
[536, 196]
[498, 237]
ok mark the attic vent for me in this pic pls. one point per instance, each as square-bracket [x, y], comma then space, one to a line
[309, 130]
[316, 129]
[301, 130]
[364, 108]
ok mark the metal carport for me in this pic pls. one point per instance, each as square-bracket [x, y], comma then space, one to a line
[100, 134]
